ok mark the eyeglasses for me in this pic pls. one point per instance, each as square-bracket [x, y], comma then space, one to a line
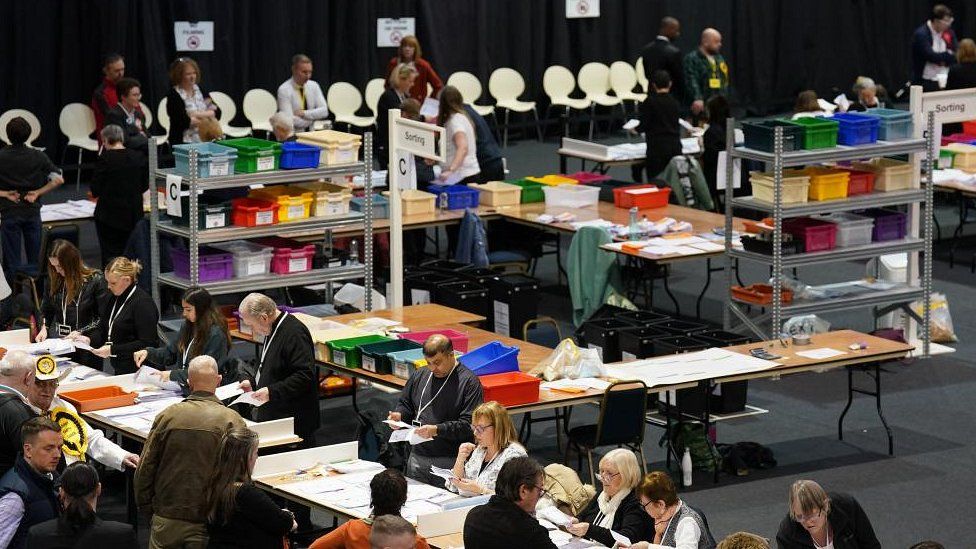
[542, 491]
[478, 429]
[645, 504]
[607, 476]
[811, 516]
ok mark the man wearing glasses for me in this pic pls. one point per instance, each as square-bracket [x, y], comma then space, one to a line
[933, 50]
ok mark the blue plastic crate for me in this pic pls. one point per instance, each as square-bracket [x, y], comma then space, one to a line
[213, 160]
[296, 156]
[856, 128]
[492, 358]
[454, 197]
[381, 207]
[895, 124]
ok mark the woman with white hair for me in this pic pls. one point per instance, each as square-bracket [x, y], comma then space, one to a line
[865, 95]
[616, 507]
[821, 520]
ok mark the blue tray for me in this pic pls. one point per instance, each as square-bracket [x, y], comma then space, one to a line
[492, 358]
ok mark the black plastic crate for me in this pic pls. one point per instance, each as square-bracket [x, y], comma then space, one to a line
[603, 334]
[482, 275]
[760, 135]
[688, 401]
[728, 397]
[446, 265]
[765, 247]
[465, 296]
[605, 311]
[721, 338]
[642, 318]
[515, 301]
[680, 327]
[638, 341]
[422, 287]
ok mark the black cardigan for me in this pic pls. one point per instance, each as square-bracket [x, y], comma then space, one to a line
[118, 183]
[57, 534]
[257, 522]
[179, 121]
[388, 100]
[134, 328]
[630, 520]
[850, 525]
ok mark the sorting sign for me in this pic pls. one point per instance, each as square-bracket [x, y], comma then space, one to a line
[389, 31]
[576, 9]
[174, 184]
[194, 35]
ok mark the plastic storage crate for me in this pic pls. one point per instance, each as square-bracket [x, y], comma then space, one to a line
[213, 160]
[965, 138]
[99, 398]
[459, 340]
[895, 125]
[454, 197]
[827, 184]
[210, 215]
[946, 158]
[511, 388]
[404, 362]
[294, 203]
[721, 338]
[328, 199]
[571, 196]
[817, 236]
[680, 327]
[796, 187]
[637, 342]
[760, 135]
[296, 156]
[888, 224]
[498, 193]
[852, 229]
[758, 245]
[859, 181]
[553, 179]
[607, 187]
[323, 337]
[818, 133]
[642, 318]
[347, 352]
[760, 294]
[491, 358]
[381, 206]
[588, 178]
[890, 174]
[250, 258]
[514, 301]
[254, 155]
[965, 156]
[290, 256]
[603, 334]
[252, 212]
[213, 264]
[969, 127]
[465, 295]
[678, 344]
[856, 128]
[375, 356]
[421, 287]
[531, 191]
[644, 197]
[416, 202]
[337, 147]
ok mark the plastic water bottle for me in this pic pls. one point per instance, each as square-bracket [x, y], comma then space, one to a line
[686, 468]
[634, 230]
[354, 252]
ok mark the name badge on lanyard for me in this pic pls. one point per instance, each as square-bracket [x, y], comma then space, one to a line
[63, 328]
[114, 314]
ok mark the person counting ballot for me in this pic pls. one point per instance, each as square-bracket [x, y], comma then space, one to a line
[437, 403]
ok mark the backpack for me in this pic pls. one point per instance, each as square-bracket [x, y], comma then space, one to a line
[374, 436]
[739, 458]
[692, 435]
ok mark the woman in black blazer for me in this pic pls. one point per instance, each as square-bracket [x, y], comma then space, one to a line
[817, 519]
[119, 181]
[401, 80]
[129, 317]
[78, 525]
[187, 103]
[616, 507]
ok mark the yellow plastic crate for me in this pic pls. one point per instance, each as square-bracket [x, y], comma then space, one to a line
[329, 199]
[827, 184]
[796, 186]
[553, 179]
[294, 203]
[417, 202]
[498, 193]
[891, 175]
[965, 156]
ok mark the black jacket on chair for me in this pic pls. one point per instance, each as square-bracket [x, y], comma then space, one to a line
[119, 181]
[848, 521]
[500, 524]
[134, 327]
[57, 534]
[630, 520]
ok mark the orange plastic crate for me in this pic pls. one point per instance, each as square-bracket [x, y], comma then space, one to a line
[760, 294]
[511, 388]
[99, 398]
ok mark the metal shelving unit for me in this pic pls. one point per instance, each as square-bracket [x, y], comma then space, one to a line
[196, 237]
[884, 300]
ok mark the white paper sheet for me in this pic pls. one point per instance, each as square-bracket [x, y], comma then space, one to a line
[356, 466]
[620, 538]
[247, 398]
[683, 368]
[824, 352]
[229, 391]
[397, 424]
[554, 515]
[323, 485]
[441, 472]
[416, 492]
[147, 375]
[430, 107]
[580, 383]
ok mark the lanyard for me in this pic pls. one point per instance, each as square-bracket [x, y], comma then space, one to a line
[64, 308]
[437, 394]
[114, 314]
[267, 343]
[186, 352]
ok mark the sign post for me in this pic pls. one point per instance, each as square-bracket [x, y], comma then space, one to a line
[408, 138]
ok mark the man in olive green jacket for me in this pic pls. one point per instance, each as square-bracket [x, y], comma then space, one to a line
[179, 459]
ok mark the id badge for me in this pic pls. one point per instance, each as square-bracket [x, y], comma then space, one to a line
[714, 83]
[416, 423]
[64, 330]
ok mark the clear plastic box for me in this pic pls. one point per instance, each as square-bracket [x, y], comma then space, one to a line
[572, 196]
[250, 258]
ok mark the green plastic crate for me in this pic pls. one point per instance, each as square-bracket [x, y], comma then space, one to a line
[346, 352]
[254, 155]
[818, 133]
[531, 190]
[946, 158]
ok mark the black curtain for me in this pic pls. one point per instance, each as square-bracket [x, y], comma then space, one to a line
[775, 48]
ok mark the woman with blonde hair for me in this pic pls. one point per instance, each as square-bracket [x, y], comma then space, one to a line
[676, 524]
[820, 520]
[616, 507]
[409, 52]
[400, 82]
[129, 317]
[477, 465]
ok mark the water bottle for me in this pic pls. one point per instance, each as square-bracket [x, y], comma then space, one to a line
[686, 468]
[353, 252]
[634, 230]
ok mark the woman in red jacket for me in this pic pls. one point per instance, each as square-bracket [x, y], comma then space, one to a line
[411, 54]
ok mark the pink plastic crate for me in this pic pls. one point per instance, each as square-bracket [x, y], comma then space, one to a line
[959, 138]
[587, 178]
[290, 256]
[817, 235]
[458, 339]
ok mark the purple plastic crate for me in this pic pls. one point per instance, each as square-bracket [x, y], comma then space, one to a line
[214, 264]
[888, 224]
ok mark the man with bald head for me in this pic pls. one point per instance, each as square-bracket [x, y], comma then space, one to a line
[179, 458]
[663, 54]
[438, 400]
[16, 374]
[706, 72]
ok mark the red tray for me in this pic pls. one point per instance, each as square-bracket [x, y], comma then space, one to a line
[511, 388]
[643, 201]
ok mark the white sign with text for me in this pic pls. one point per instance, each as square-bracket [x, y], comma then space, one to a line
[389, 31]
[194, 35]
[577, 9]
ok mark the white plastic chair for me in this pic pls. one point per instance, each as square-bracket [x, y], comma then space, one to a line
[259, 106]
[32, 120]
[163, 117]
[641, 77]
[77, 123]
[374, 89]
[506, 85]
[623, 80]
[228, 110]
[148, 114]
[344, 100]
[558, 83]
[594, 80]
[470, 88]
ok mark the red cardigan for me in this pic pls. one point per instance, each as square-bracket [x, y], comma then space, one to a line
[425, 75]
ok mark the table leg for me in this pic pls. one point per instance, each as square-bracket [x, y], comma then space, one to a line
[876, 393]
[562, 163]
[850, 400]
[708, 281]
[667, 289]
[958, 232]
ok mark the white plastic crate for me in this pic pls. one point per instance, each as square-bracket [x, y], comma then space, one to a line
[852, 229]
[571, 196]
[337, 147]
[250, 259]
[890, 174]
[796, 186]
[417, 202]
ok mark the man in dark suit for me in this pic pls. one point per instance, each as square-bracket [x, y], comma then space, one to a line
[128, 115]
[933, 49]
[663, 54]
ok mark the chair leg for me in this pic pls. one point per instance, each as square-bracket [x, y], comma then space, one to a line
[505, 140]
[592, 119]
[78, 177]
[589, 459]
[566, 122]
[538, 126]
[640, 448]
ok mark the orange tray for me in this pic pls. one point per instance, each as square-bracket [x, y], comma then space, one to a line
[99, 398]
[760, 294]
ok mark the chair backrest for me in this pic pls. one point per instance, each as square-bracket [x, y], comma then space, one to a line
[228, 110]
[77, 120]
[162, 115]
[623, 79]
[344, 99]
[147, 112]
[594, 78]
[259, 106]
[466, 83]
[35, 124]
[639, 72]
[558, 82]
[506, 84]
[622, 414]
[374, 89]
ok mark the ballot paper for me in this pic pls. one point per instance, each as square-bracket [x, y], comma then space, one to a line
[50, 346]
[229, 391]
[247, 398]
[451, 179]
[350, 497]
[408, 435]
[580, 383]
[356, 466]
[396, 424]
[323, 485]
[817, 354]
[554, 515]
[631, 124]
[147, 375]
[430, 107]
[620, 538]
[445, 474]
[422, 492]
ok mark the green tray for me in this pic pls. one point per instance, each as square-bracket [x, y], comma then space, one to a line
[818, 133]
[346, 352]
[531, 190]
[254, 155]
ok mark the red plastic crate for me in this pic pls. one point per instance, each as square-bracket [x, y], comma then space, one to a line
[587, 178]
[817, 235]
[860, 182]
[251, 212]
[643, 200]
[511, 388]
[969, 127]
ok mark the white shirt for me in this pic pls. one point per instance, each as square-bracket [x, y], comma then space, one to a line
[289, 101]
[933, 70]
[100, 448]
[459, 123]
[686, 535]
